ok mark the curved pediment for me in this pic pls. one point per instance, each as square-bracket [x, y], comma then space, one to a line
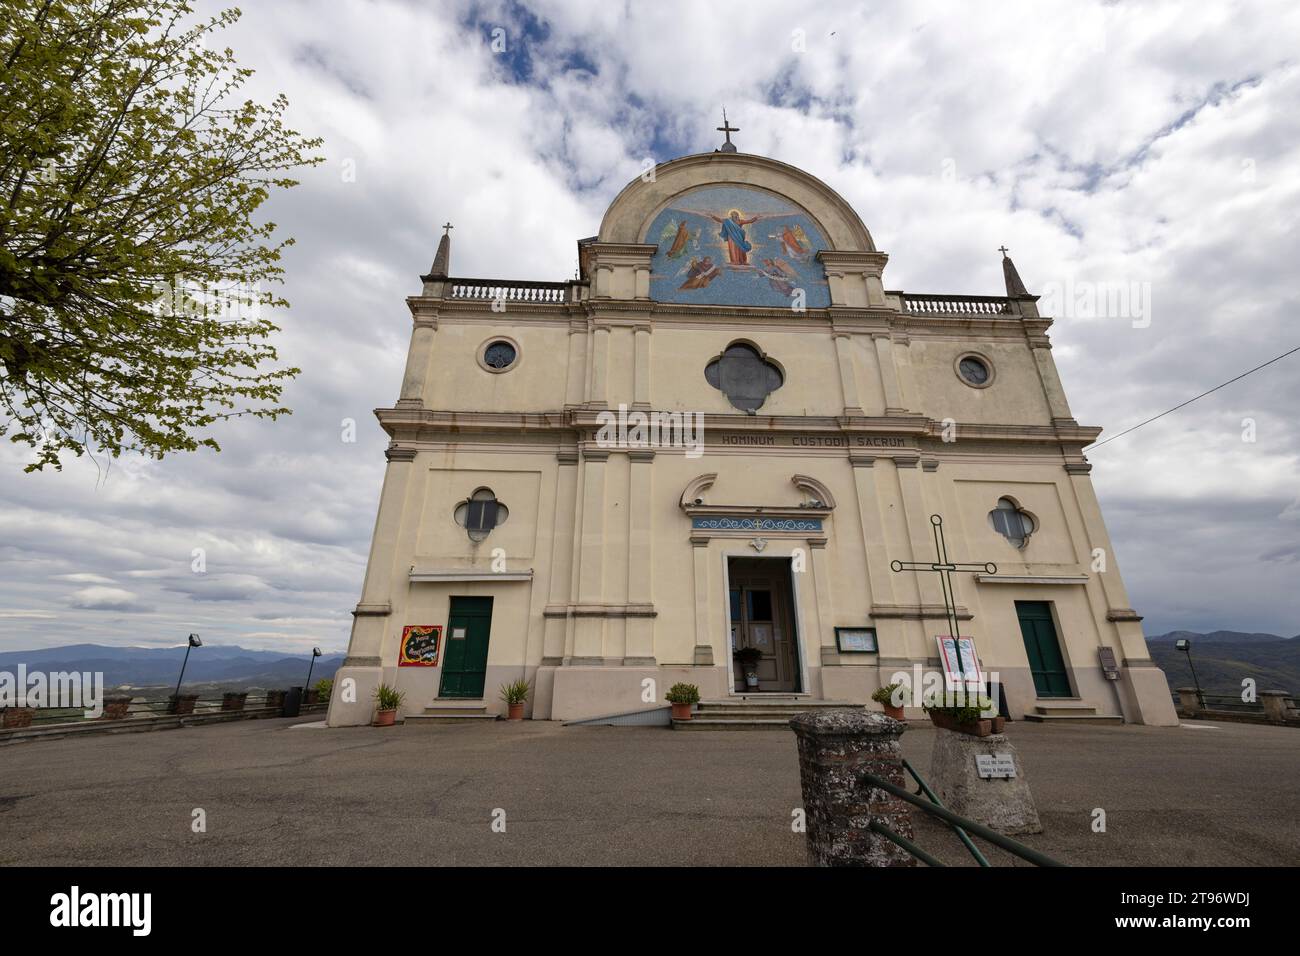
[735, 229]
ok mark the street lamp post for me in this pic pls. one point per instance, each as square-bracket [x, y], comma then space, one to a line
[1185, 646]
[193, 642]
[315, 653]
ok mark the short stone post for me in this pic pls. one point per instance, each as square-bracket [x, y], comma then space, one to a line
[181, 704]
[1275, 705]
[275, 699]
[233, 700]
[115, 708]
[1189, 702]
[836, 747]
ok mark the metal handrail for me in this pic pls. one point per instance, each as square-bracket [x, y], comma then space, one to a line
[984, 833]
[961, 834]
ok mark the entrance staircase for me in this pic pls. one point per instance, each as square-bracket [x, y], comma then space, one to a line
[754, 712]
[458, 711]
[1065, 710]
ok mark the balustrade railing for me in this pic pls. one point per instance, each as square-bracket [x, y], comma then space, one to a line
[509, 290]
[923, 304]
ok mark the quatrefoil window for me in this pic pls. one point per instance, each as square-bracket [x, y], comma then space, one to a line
[744, 376]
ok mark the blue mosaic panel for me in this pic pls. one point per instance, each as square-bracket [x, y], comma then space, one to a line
[755, 524]
[736, 245]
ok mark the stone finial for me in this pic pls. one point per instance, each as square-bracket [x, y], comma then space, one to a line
[1014, 286]
[441, 267]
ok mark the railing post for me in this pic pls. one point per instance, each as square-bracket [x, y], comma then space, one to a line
[1189, 702]
[1275, 705]
[836, 747]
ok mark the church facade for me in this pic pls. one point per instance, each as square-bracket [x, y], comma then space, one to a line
[719, 438]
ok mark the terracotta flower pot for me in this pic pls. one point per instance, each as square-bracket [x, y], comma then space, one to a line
[999, 723]
[385, 718]
[892, 711]
[681, 711]
[516, 711]
[976, 728]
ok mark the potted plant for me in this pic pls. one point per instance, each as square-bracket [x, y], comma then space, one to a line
[682, 697]
[514, 694]
[749, 658]
[966, 719]
[892, 697]
[387, 700]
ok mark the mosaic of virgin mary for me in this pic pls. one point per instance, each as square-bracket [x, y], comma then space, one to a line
[736, 245]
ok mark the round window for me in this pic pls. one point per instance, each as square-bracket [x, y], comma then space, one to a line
[499, 355]
[974, 371]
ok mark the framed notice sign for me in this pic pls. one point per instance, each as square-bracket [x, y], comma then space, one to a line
[419, 647]
[969, 671]
[855, 640]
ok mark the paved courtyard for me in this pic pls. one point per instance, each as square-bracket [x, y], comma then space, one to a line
[275, 793]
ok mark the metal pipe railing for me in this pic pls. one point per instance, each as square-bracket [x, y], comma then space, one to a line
[981, 831]
[961, 834]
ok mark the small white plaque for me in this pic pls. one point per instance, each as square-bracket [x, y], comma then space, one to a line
[993, 766]
[458, 633]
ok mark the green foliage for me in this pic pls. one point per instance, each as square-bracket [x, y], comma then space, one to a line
[749, 656]
[683, 694]
[388, 698]
[325, 687]
[516, 692]
[885, 695]
[131, 267]
[972, 707]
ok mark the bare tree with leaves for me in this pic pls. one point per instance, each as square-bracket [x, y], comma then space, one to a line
[134, 279]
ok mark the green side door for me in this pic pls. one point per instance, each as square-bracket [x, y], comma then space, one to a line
[464, 666]
[1046, 663]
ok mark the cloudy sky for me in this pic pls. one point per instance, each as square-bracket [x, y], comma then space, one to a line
[1147, 146]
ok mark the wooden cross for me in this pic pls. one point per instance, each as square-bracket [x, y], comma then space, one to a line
[945, 568]
[726, 127]
[447, 227]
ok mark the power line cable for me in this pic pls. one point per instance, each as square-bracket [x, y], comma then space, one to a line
[1190, 400]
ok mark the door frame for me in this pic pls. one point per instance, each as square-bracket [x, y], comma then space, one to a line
[442, 669]
[1054, 618]
[801, 658]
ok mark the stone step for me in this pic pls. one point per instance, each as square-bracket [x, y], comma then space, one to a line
[1075, 718]
[1064, 706]
[773, 699]
[749, 713]
[449, 718]
[451, 708]
[705, 723]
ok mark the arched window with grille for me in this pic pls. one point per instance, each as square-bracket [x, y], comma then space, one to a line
[480, 513]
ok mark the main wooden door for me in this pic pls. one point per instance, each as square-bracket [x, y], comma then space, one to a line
[762, 616]
[1046, 663]
[464, 663]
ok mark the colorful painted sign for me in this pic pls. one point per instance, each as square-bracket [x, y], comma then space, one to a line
[419, 647]
[968, 676]
[737, 245]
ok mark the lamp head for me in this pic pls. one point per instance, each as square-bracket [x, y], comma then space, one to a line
[1183, 644]
[194, 641]
[315, 652]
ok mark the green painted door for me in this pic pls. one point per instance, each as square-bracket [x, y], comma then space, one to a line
[464, 665]
[1043, 649]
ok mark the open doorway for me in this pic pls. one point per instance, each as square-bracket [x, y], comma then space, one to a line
[762, 616]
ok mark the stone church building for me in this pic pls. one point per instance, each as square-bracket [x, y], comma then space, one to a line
[719, 436]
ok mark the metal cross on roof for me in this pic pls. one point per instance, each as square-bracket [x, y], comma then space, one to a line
[727, 129]
[1003, 250]
[447, 227]
[944, 568]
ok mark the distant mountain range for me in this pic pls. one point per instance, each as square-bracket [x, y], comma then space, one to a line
[1224, 658]
[230, 667]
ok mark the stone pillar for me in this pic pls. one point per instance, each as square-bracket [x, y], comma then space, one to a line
[1189, 702]
[703, 646]
[115, 708]
[639, 649]
[1275, 705]
[848, 379]
[589, 632]
[836, 747]
[418, 358]
[600, 366]
[641, 367]
[888, 373]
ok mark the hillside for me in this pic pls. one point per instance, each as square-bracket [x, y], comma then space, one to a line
[228, 667]
[1224, 658]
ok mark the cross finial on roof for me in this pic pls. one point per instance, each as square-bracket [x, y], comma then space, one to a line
[727, 129]
[1004, 250]
[447, 227]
